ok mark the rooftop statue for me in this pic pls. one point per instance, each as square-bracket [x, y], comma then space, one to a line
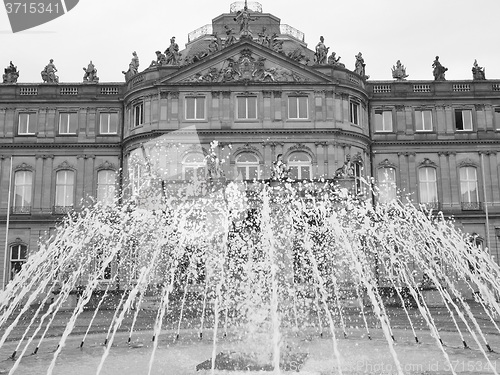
[133, 67]
[11, 74]
[334, 60]
[360, 66]
[399, 71]
[277, 45]
[215, 44]
[49, 73]
[90, 73]
[439, 70]
[264, 38]
[172, 53]
[243, 18]
[230, 38]
[320, 56]
[478, 72]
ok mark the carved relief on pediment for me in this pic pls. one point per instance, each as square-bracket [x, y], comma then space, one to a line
[245, 67]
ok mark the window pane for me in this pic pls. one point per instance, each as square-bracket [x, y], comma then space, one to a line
[252, 108]
[379, 121]
[303, 107]
[497, 119]
[200, 108]
[113, 123]
[427, 120]
[242, 108]
[253, 173]
[293, 172]
[387, 117]
[467, 120]
[292, 107]
[190, 108]
[305, 172]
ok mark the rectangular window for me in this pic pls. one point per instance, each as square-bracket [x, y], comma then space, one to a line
[428, 185]
[65, 183]
[468, 185]
[354, 112]
[383, 121]
[247, 107]
[27, 124]
[138, 114]
[22, 191]
[108, 123]
[106, 186]
[195, 108]
[423, 121]
[497, 118]
[463, 120]
[68, 123]
[297, 107]
[386, 185]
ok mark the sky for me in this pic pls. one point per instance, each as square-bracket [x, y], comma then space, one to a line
[413, 31]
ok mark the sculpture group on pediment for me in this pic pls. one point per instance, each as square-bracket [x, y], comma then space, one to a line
[133, 67]
[11, 74]
[263, 38]
[299, 56]
[90, 73]
[359, 66]
[478, 73]
[399, 71]
[215, 44]
[49, 73]
[320, 56]
[439, 70]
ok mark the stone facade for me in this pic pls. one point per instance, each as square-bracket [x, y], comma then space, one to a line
[263, 95]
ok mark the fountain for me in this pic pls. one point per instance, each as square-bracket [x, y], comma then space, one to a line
[210, 277]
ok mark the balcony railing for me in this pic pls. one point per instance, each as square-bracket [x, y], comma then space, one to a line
[62, 210]
[471, 206]
[435, 206]
[24, 210]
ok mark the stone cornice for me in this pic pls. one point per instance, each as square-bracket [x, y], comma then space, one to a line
[446, 142]
[44, 146]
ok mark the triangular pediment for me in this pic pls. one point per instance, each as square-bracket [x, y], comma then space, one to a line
[247, 62]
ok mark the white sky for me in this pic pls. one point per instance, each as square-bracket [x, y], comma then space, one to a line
[414, 31]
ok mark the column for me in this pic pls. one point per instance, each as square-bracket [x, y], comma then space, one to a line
[80, 179]
[455, 182]
[38, 184]
[445, 197]
[412, 174]
[403, 174]
[48, 191]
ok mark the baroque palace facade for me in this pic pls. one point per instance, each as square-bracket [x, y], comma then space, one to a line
[250, 83]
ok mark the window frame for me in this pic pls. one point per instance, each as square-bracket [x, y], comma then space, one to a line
[428, 183]
[31, 122]
[137, 114]
[459, 118]
[195, 98]
[106, 200]
[496, 118]
[23, 208]
[355, 112]
[246, 165]
[296, 99]
[108, 114]
[19, 260]
[66, 188]
[381, 112]
[68, 132]
[467, 181]
[390, 193]
[198, 165]
[422, 121]
[299, 165]
[238, 103]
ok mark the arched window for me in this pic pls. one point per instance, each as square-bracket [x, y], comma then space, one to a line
[247, 166]
[193, 167]
[106, 187]
[300, 166]
[386, 181]
[468, 188]
[65, 190]
[18, 255]
[428, 185]
[23, 181]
